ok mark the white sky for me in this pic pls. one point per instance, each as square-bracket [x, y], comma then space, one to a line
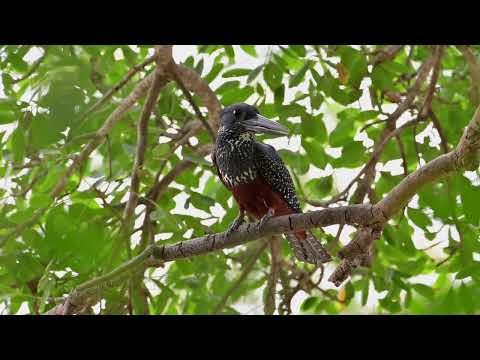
[341, 176]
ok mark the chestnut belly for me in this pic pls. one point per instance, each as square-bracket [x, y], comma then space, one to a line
[257, 197]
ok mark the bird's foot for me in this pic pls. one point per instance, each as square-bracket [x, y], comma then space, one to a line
[270, 213]
[239, 220]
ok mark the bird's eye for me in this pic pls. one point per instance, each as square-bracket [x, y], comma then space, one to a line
[236, 112]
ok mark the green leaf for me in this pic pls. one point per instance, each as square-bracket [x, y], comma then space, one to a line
[470, 196]
[315, 152]
[343, 133]
[188, 154]
[229, 51]
[236, 73]
[319, 188]
[254, 73]
[249, 49]
[353, 155]
[309, 303]
[381, 78]
[316, 99]
[201, 202]
[356, 64]
[466, 297]
[236, 96]
[419, 218]
[161, 151]
[214, 71]
[299, 50]
[272, 75]
[313, 126]
[39, 200]
[18, 144]
[199, 67]
[365, 291]
[278, 96]
[46, 130]
[228, 86]
[424, 290]
[7, 116]
[299, 163]
[298, 77]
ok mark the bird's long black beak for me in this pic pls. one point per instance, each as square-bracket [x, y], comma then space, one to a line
[262, 125]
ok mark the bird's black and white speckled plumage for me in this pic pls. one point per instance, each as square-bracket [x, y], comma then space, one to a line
[234, 157]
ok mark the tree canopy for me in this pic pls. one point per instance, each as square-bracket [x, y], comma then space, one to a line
[110, 203]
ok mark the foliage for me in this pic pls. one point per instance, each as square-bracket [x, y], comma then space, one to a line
[332, 98]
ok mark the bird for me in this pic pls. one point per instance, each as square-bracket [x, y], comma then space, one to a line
[258, 178]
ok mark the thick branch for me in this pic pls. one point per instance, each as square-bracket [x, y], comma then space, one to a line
[355, 214]
[466, 156]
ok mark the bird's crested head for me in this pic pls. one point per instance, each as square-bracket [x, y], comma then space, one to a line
[244, 118]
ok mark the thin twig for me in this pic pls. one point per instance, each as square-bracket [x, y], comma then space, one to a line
[275, 251]
[128, 76]
[34, 66]
[437, 55]
[189, 97]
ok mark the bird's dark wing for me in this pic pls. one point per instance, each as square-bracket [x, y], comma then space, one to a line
[271, 168]
[214, 161]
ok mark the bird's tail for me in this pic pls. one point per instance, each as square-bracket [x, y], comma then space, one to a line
[307, 248]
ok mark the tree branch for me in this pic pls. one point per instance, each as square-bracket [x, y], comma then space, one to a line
[466, 156]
